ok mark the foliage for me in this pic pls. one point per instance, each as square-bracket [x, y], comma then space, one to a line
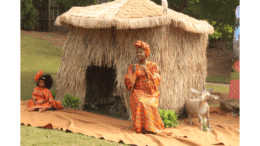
[53, 94]
[219, 13]
[67, 4]
[169, 118]
[71, 101]
[28, 14]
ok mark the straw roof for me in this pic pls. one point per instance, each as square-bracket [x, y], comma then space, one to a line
[130, 14]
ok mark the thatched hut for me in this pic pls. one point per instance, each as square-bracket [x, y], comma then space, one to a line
[105, 34]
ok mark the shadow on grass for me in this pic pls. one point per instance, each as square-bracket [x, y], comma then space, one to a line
[218, 79]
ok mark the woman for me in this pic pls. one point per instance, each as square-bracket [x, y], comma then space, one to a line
[143, 81]
[41, 97]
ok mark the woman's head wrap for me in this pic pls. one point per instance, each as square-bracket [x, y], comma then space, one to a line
[38, 75]
[144, 45]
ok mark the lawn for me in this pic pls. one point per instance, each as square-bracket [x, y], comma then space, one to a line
[38, 54]
[222, 78]
[221, 89]
[31, 136]
[218, 79]
[235, 75]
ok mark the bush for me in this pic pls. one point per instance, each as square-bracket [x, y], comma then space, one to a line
[65, 5]
[71, 101]
[28, 14]
[53, 94]
[169, 118]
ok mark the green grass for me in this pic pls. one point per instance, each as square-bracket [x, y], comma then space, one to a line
[221, 89]
[50, 35]
[235, 75]
[214, 105]
[218, 79]
[38, 54]
[31, 136]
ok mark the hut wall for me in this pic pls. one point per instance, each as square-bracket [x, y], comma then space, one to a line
[180, 55]
[185, 67]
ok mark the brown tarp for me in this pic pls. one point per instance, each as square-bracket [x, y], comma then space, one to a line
[226, 128]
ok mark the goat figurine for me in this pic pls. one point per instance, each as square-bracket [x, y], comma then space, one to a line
[199, 106]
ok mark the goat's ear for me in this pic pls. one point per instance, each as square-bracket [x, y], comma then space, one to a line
[215, 96]
[195, 91]
[210, 89]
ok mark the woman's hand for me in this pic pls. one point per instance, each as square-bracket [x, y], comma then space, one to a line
[144, 68]
[34, 100]
[41, 101]
[134, 66]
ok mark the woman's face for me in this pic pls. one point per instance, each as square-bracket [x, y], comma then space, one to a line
[41, 84]
[140, 54]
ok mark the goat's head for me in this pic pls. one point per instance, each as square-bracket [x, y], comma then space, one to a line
[205, 94]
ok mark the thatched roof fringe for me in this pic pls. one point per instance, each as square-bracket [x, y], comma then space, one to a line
[134, 23]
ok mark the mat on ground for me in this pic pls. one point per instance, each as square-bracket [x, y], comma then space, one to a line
[116, 130]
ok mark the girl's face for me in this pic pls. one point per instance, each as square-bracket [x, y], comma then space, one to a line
[140, 54]
[41, 84]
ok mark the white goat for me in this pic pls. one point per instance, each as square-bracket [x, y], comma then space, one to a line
[199, 106]
[164, 5]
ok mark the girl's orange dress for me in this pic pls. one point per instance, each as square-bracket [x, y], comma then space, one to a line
[144, 99]
[41, 94]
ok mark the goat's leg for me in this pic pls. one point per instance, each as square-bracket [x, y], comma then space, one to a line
[190, 119]
[200, 118]
[201, 121]
[207, 115]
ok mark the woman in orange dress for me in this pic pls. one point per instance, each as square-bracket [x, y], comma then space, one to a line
[42, 98]
[143, 81]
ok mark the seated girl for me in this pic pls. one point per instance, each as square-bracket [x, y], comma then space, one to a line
[42, 98]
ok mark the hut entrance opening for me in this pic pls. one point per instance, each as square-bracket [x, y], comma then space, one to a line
[102, 94]
[100, 84]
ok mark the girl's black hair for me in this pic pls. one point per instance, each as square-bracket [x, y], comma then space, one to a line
[47, 80]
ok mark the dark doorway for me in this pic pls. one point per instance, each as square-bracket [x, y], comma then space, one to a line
[100, 83]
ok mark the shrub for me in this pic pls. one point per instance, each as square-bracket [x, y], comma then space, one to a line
[53, 94]
[71, 101]
[169, 118]
[28, 14]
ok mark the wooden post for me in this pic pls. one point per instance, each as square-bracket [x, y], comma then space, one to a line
[49, 14]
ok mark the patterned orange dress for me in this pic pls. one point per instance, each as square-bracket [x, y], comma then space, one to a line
[144, 99]
[41, 94]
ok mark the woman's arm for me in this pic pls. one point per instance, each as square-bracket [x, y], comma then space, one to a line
[48, 96]
[154, 78]
[34, 94]
[34, 100]
[130, 78]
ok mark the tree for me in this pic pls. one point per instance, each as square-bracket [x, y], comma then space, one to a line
[28, 14]
[65, 5]
[219, 13]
